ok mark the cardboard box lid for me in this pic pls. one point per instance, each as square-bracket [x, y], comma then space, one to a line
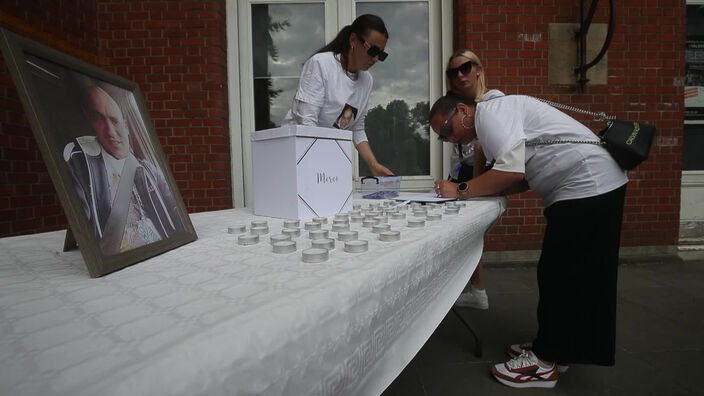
[303, 131]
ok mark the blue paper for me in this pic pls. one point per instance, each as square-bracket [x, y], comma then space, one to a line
[383, 194]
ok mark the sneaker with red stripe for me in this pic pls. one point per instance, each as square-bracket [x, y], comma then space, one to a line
[526, 371]
[514, 350]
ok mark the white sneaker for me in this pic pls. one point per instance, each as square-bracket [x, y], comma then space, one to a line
[473, 298]
[526, 371]
[515, 350]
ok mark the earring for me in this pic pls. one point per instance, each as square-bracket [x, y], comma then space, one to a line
[477, 75]
[352, 47]
[462, 122]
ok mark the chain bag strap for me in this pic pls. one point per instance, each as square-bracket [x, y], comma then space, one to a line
[532, 143]
[628, 142]
[601, 116]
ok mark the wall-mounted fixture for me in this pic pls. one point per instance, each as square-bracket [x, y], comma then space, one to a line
[585, 22]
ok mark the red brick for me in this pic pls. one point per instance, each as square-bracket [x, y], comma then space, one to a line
[178, 58]
[645, 60]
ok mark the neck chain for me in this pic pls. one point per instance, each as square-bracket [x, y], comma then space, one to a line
[351, 75]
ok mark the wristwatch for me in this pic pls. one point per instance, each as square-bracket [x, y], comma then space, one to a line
[462, 188]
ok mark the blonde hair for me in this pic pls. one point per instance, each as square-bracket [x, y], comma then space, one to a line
[480, 88]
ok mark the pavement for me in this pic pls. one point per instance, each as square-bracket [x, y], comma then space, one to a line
[659, 346]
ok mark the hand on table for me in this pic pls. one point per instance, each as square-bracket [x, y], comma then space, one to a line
[380, 170]
[445, 189]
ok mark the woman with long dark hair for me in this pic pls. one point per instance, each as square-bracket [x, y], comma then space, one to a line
[334, 87]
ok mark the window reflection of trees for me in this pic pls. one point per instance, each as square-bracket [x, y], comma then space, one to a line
[264, 93]
[400, 137]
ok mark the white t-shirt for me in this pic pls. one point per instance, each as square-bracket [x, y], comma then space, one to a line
[328, 97]
[556, 172]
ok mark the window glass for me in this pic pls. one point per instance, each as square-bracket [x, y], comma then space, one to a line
[284, 36]
[693, 144]
[397, 124]
[692, 158]
[694, 64]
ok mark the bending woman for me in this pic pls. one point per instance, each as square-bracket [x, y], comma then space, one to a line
[583, 190]
[334, 87]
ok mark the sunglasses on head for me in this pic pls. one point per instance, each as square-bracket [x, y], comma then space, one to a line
[374, 50]
[445, 129]
[464, 68]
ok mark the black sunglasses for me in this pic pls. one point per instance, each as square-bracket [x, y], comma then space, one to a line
[374, 50]
[446, 130]
[464, 68]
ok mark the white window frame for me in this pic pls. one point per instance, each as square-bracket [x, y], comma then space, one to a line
[692, 181]
[337, 14]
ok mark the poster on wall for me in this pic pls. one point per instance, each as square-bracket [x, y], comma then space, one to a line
[103, 156]
[694, 63]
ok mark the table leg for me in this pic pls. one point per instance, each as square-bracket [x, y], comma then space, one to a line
[477, 341]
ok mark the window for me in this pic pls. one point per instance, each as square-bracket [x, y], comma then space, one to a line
[268, 42]
[283, 37]
[397, 118]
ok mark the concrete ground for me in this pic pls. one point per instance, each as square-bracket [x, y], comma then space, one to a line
[660, 338]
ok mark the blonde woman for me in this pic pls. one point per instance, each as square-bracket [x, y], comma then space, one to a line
[465, 76]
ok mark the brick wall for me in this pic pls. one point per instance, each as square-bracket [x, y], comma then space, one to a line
[174, 50]
[28, 201]
[645, 75]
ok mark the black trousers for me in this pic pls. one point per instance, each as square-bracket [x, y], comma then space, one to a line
[577, 275]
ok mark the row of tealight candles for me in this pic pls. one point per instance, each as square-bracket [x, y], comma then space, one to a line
[375, 216]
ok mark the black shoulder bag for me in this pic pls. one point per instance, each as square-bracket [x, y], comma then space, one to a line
[628, 142]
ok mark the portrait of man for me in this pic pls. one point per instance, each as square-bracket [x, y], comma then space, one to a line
[103, 155]
[346, 117]
[126, 199]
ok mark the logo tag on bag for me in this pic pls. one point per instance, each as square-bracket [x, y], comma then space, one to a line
[632, 138]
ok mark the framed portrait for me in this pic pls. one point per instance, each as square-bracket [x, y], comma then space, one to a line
[346, 117]
[103, 156]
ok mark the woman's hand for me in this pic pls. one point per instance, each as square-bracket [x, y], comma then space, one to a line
[445, 189]
[377, 169]
[380, 170]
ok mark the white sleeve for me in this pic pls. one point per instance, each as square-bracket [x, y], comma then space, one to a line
[358, 133]
[499, 127]
[311, 87]
[514, 160]
[304, 113]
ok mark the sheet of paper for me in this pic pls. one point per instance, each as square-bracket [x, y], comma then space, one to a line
[424, 197]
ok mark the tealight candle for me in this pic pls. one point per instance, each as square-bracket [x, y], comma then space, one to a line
[390, 236]
[248, 239]
[237, 229]
[356, 246]
[347, 235]
[282, 247]
[325, 243]
[315, 255]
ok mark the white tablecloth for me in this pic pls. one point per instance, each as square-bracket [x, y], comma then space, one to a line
[216, 318]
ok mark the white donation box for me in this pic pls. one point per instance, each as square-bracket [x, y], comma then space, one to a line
[301, 172]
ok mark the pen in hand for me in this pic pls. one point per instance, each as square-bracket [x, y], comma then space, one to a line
[449, 177]
[437, 186]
